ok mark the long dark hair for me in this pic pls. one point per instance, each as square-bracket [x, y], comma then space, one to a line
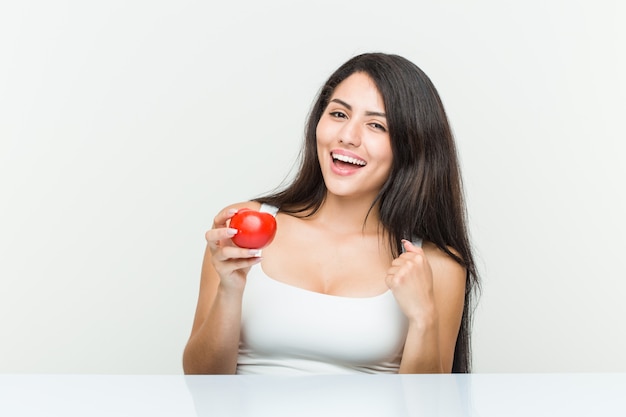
[425, 178]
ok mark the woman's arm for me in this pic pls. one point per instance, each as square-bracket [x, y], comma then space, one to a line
[213, 345]
[430, 288]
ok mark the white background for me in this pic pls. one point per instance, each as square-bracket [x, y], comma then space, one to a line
[126, 125]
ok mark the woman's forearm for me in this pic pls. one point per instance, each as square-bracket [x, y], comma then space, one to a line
[213, 348]
[421, 353]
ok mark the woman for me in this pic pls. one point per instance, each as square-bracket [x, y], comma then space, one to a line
[371, 268]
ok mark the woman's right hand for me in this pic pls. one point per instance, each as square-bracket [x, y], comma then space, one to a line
[231, 262]
[214, 341]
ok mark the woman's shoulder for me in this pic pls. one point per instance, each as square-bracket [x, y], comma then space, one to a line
[441, 262]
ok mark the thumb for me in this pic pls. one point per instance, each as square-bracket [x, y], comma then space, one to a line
[409, 246]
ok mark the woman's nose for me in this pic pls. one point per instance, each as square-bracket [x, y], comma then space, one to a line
[350, 134]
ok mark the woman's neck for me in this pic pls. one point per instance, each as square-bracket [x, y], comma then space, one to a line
[348, 215]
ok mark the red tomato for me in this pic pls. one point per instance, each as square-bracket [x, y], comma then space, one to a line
[255, 229]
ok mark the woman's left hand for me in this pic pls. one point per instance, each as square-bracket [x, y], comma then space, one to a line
[430, 291]
[410, 278]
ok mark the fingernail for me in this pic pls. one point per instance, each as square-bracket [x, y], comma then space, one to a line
[231, 212]
[254, 252]
[231, 231]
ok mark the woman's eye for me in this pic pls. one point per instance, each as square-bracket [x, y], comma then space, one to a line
[378, 126]
[338, 114]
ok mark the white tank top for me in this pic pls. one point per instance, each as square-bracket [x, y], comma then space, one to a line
[288, 330]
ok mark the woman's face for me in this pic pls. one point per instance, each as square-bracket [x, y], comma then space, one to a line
[353, 144]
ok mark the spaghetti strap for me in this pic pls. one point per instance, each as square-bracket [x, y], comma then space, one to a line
[267, 208]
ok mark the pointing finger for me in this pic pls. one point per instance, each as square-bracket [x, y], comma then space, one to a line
[222, 217]
[214, 236]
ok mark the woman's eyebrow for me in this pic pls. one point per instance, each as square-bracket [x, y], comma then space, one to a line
[349, 107]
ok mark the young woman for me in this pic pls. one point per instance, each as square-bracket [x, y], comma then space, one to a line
[371, 268]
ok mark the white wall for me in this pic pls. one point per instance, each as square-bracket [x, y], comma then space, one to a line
[126, 125]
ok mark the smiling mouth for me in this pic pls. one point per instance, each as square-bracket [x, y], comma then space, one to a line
[344, 160]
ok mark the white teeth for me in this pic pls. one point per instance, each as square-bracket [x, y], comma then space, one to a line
[348, 159]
